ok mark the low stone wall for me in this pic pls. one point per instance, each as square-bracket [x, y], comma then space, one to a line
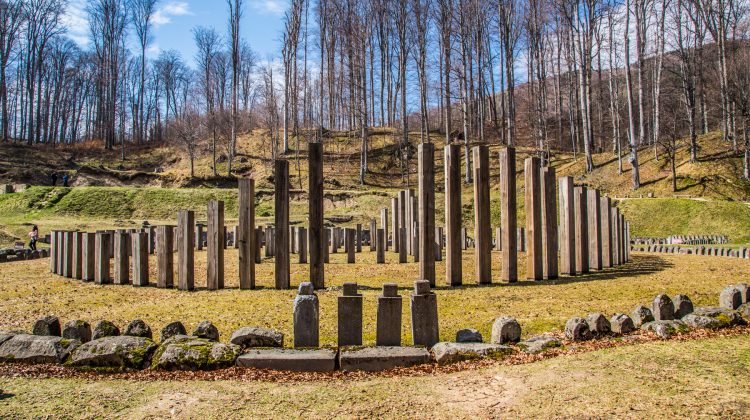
[10, 254]
[716, 251]
[682, 239]
[75, 344]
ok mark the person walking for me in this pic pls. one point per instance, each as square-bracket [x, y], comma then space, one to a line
[65, 180]
[33, 237]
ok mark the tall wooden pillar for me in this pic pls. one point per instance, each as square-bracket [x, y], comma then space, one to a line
[426, 165]
[140, 258]
[593, 212]
[567, 226]
[453, 247]
[245, 238]
[533, 204]
[508, 215]
[394, 224]
[482, 228]
[384, 224]
[215, 246]
[185, 250]
[582, 231]
[101, 258]
[281, 217]
[605, 218]
[122, 264]
[549, 223]
[164, 256]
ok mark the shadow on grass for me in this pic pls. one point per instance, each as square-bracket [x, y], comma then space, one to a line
[640, 265]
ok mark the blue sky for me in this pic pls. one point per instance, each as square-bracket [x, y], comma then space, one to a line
[262, 24]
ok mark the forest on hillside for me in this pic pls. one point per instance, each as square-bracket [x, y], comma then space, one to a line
[577, 75]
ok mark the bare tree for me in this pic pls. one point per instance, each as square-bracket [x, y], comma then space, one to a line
[207, 40]
[11, 20]
[142, 13]
[235, 14]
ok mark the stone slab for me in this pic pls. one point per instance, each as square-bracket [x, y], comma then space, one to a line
[374, 359]
[317, 360]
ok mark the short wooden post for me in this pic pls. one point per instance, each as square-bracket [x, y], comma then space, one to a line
[380, 247]
[122, 263]
[140, 259]
[88, 256]
[101, 258]
[216, 243]
[185, 250]
[164, 256]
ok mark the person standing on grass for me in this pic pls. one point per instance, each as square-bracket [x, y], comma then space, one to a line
[53, 178]
[65, 180]
[33, 237]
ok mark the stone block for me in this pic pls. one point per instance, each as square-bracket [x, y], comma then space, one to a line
[296, 360]
[373, 359]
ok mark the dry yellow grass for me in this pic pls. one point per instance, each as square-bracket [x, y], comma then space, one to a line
[28, 291]
[701, 378]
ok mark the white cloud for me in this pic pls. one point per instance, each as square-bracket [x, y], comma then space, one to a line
[164, 14]
[76, 22]
[276, 7]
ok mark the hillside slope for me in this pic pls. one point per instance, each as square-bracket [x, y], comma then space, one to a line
[152, 184]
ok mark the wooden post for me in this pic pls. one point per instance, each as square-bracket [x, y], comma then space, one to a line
[409, 222]
[508, 215]
[59, 252]
[88, 256]
[358, 238]
[53, 252]
[101, 258]
[185, 250]
[164, 256]
[281, 217]
[605, 218]
[151, 231]
[77, 255]
[68, 254]
[482, 228]
[318, 244]
[373, 229]
[615, 237]
[140, 258]
[122, 264]
[567, 226]
[402, 248]
[380, 247]
[593, 212]
[302, 244]
[216, 243]
[258, 242]
[384, 224]
[199, 236]
[245, 239]
[549, 224]
[453, 246]
[394, 223]
[582, 231]
[533, 203]
[350, 245]
[402, 220]
[426, 168]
